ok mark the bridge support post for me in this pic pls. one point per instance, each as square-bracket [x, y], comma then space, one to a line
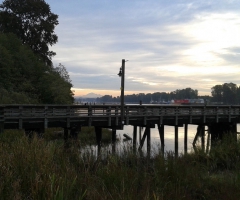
[203, 137]
[185, 138]
[161, 135]
[134, 138]
[140, 134]
[148, 141]
[98, 132]
[220, 130]
[176, 141]
[143, 139]
[114, 140]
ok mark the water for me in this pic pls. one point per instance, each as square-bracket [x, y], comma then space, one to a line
[169, 137]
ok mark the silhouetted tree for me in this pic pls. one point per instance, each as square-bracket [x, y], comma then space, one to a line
[33, 23]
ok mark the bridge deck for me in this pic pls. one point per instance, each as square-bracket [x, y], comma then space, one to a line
[27, 116]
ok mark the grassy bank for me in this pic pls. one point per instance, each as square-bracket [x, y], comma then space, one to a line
[44, 169]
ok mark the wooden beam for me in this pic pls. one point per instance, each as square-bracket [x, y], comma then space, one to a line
[203, 137]
[176, 141]
[161, 136]
[185, 138]
[114, 140]
[143, 139]
[134, 137]
[148, 140]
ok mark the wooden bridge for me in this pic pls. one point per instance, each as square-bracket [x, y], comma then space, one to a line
[219, 119]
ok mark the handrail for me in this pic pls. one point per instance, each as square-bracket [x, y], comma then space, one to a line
[114, 110]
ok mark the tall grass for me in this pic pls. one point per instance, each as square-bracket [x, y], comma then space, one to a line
[45, 169]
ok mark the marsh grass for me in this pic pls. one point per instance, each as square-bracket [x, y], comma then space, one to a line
[44, 169]
[86, 136]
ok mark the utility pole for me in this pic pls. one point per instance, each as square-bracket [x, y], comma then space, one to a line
[122, 75]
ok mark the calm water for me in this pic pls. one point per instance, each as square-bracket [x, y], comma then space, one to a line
[169, 137]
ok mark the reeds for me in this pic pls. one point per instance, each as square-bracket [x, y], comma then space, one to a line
[45, 169]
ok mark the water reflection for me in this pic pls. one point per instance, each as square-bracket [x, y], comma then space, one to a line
[169, 137]
[124, 144]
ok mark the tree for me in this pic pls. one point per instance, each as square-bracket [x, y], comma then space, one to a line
[217, 93]
[33, 23]
[62, 71]
[26, 79]
[17, 75]
[226, 93]
[229, 93]
[187, 93]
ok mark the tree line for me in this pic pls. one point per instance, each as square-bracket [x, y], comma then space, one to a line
[227, 93]
[27, 74]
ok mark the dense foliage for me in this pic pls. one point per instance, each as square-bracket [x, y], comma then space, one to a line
[228, 93]
[25, 79]
[32, 22]
[26, 71]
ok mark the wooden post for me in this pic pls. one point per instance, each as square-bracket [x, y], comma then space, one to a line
[203, 137]
[143, 139]
[161, 135]
[148, 141]
[134, 137]
[176, 141]
[208, 139]
[197, 135]
[122, 91]
[114, 140]
[140, 134]
[185, 138]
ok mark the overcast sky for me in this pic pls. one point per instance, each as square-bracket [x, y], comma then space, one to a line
[170, 44]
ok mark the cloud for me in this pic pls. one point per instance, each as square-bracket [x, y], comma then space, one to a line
[169, 44]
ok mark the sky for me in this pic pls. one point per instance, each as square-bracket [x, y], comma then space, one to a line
[169, 44]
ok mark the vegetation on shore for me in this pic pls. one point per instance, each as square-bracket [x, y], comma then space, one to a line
[226, 93]
[27, 75]
[44, 169]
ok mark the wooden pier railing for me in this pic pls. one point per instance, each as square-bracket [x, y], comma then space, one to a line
[24, 116]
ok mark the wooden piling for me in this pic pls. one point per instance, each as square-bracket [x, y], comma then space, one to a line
[197, 135]
[161, 136]
[140, 134]
[134, 137]
[203, 137]
[143, 139]
[148, 140]
[176, 141]
[114, 140]
[185, 138]
[208, 141]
